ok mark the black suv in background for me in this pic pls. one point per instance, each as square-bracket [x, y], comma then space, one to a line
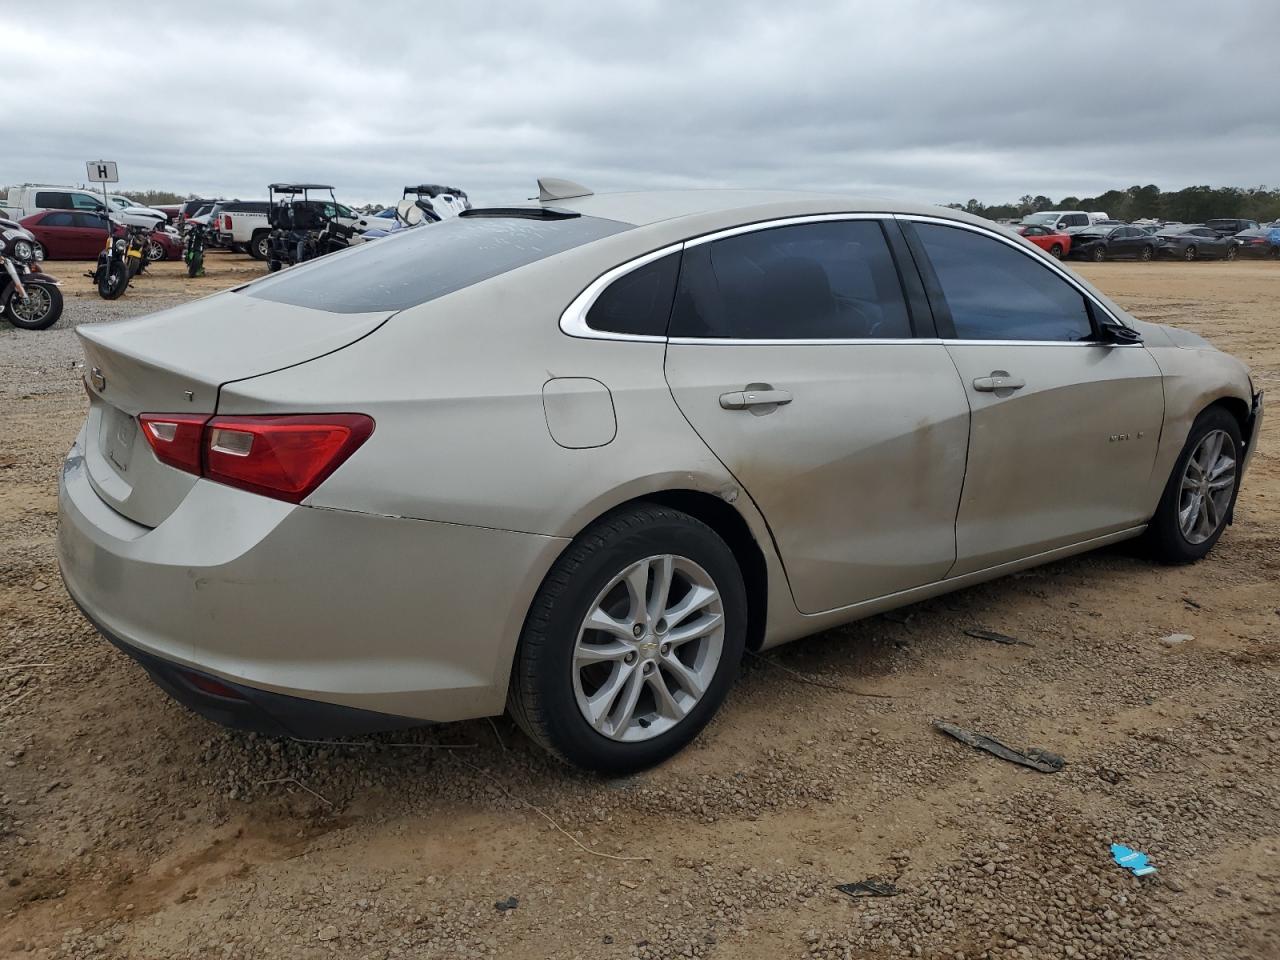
[1230, 226]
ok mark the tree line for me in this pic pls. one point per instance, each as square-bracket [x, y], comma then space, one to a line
[1188, 205]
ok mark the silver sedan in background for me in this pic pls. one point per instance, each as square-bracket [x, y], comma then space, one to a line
[572, 458]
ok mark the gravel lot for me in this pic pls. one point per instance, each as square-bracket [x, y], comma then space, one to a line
[131, 828]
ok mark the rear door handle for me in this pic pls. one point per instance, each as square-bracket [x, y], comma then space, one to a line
[999, 380]
[743, 399]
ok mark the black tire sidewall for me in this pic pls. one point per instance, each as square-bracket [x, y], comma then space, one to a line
[55, 309]
[1164, 533]
[549, 678]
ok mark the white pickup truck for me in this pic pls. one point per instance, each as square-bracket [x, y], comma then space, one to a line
[243, 224]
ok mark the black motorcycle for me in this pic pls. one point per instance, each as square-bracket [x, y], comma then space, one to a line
[29, 298]
[193, 250]
[111, 276]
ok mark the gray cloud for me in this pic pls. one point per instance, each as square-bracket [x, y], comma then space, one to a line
[926, 100]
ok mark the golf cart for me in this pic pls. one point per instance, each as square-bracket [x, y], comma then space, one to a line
[430, 203]
[303, 227]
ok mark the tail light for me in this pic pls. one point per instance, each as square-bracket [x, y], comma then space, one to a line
[226, 223]
[285, 457]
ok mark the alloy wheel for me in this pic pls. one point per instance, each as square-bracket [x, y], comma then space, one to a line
[35, 308]
[155, 252]
[648, 648]
[1208, 482]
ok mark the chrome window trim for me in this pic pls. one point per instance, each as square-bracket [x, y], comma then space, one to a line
[783, 222]
[1027, 250]
[573, 321]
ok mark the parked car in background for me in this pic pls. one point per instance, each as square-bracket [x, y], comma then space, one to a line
[121, 202]
[165, 243]
[191, 208]
[68, 234]
[30, 199]
[1229, 226]
[243, 225]
[1195, 241]
[1058, 219]
[1056, 242]
[1258, 243]
[1108, 242]
[294, 501]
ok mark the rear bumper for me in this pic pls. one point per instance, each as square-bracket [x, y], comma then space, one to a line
[410, 619]
[248, 708]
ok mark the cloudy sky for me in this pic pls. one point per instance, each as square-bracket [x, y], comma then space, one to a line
[935, 101]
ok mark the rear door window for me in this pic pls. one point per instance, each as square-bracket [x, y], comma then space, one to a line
[418, 265]
[996, 292]
[832, 280]
[57, 220]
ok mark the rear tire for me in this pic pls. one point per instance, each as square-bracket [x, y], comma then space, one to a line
[1147, 255]
[1168, 536]
[1232, 253]
[260, 245]
[156, 251]
[1056, 251]
[565, 668]
[1189, 254]
[1098, 255]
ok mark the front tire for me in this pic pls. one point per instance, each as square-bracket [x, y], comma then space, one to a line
[1098, 254]
[156, 252]
[1189, 254]
[1232, 253]
[1147, 254]
[632, 641]
[1056, 251]
[40, 311]
[113, 281]
[1201, 492]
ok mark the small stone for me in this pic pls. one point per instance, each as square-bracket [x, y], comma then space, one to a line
[1176, 639]
[328, 933]
[1177, 886]
[502, 906]
[628, 884]
[39, 585]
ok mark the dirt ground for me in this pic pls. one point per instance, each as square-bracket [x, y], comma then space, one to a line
[132, 828]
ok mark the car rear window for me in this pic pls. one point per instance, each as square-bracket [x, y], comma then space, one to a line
[414, 266]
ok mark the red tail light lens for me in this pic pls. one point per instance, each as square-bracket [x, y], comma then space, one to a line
[226, 222]
[175, 439]
[285, 457]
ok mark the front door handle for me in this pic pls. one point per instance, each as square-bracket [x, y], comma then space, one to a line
[999, 380]
[742, 399]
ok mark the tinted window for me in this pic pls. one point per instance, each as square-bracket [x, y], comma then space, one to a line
[829, 281]
[93, 220]
[57, 220]
[996, 292]
[639, 302]
[1076, 220]
[82, 201]
[414, 266]
[51, 200]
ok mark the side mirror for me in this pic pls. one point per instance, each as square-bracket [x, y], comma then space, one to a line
[1117, 335]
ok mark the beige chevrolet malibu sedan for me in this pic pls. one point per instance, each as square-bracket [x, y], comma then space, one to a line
[572, 459]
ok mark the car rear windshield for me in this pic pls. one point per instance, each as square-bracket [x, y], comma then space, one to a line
[426, 262]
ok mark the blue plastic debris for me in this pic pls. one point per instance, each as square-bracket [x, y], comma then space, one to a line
[1132, 860]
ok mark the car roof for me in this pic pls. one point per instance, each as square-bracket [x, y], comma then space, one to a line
[682, 210]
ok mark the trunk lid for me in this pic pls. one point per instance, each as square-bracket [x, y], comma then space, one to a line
[175, 362]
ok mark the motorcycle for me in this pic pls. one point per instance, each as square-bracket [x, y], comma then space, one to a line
[29, 298]
[193, 250]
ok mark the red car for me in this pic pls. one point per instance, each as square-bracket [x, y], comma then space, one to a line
[1058, 244]
[68, 234]
[76, 235]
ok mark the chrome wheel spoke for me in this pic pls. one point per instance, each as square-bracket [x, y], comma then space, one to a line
[598, 619]
[637, 582]
[601, 652]
[663, 570]
[698, 628]
[600, 705]
[696, 599]
[668, 706]
[686, 675]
